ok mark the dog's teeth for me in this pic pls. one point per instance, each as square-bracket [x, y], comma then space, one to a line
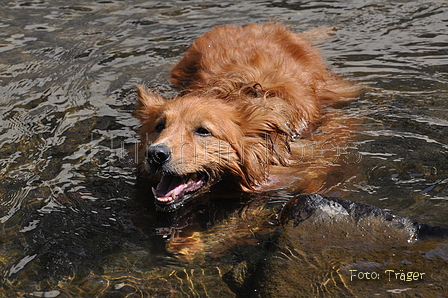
[174, 194]
[154, 192]
[164, 200]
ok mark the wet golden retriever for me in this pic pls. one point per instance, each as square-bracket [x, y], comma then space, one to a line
[246, 94]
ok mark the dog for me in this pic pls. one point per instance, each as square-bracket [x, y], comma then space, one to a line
[246, 94]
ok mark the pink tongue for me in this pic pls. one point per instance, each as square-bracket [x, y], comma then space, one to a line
[171, 188]
[168, 185]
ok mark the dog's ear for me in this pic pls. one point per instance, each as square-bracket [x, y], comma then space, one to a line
[149, 105]
[147, 98]
[266, 136]
[259, 141]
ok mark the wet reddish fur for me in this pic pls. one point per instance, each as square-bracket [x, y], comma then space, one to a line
[256, 88]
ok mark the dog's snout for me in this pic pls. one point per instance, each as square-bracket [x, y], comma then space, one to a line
[158, 154]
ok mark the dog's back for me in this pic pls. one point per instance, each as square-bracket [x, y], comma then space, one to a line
[277, 61]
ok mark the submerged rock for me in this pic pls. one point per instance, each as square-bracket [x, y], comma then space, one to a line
[330, 247]
[316, 216]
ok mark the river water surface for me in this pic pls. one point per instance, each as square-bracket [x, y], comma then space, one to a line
[72, 221]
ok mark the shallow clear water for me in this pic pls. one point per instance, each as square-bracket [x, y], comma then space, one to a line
[72, 219]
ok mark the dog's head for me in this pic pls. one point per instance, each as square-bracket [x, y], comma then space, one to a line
[192, 142]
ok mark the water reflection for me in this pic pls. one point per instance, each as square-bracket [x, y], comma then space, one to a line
[71, 223]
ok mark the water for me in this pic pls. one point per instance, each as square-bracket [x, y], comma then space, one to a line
[73, 221]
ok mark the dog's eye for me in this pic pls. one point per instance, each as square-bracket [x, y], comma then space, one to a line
[203, 132]
[160, 126]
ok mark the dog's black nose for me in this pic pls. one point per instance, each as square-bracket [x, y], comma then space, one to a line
[158, 154]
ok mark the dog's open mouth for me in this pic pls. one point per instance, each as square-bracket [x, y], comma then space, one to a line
[173, 190]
